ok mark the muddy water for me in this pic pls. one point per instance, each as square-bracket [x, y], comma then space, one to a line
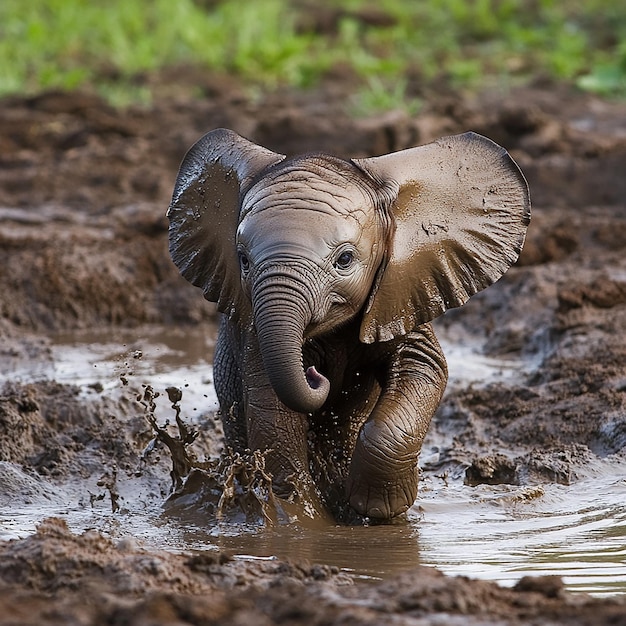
[102, 360]
[499, 532]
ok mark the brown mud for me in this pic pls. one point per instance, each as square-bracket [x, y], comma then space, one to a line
[83, 194]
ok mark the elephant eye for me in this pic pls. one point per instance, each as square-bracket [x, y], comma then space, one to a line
[344, 260]
[244, 262]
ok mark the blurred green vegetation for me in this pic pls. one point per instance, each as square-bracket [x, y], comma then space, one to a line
[388, 45]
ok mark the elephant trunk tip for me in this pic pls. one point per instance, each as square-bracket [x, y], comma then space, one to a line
[314, 378]
[314, 395]
[320, 388]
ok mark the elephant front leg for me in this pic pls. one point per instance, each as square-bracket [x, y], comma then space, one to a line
[281, 434]
[383, 477]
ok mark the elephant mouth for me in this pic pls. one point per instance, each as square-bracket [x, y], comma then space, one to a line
[314, 378]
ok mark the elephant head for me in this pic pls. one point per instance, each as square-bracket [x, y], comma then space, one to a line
[300, 246]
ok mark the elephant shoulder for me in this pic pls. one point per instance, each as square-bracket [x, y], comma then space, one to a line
[419, 346]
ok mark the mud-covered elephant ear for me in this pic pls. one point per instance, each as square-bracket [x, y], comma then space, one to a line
[461, 213]
[204, 213]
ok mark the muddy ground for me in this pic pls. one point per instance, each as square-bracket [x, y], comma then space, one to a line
[83, 194]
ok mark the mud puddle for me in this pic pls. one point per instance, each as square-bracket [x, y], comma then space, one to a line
[502, 533]
[493, 532]
[107, 360]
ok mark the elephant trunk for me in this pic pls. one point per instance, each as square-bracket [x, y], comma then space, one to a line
[281, 317]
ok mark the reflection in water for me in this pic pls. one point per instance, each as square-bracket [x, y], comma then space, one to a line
[372, 551]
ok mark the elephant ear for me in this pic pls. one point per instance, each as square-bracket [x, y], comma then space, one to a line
[204, 214]
[461, 213]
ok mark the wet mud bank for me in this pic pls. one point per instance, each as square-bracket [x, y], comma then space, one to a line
[95, 321]
[132, 586]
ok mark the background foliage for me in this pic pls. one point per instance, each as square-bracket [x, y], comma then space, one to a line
[389, 46]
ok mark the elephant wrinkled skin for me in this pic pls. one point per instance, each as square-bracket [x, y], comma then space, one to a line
[327, 273]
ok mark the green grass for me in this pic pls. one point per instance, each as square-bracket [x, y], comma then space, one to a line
[466, 44]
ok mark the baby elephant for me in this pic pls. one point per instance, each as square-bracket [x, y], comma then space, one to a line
[327, 273]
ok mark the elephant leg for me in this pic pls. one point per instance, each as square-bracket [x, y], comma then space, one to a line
[229, 389]
[383, 476]
[281, 434]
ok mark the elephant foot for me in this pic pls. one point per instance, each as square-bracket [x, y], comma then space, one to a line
[301, 495]
[382, 499]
